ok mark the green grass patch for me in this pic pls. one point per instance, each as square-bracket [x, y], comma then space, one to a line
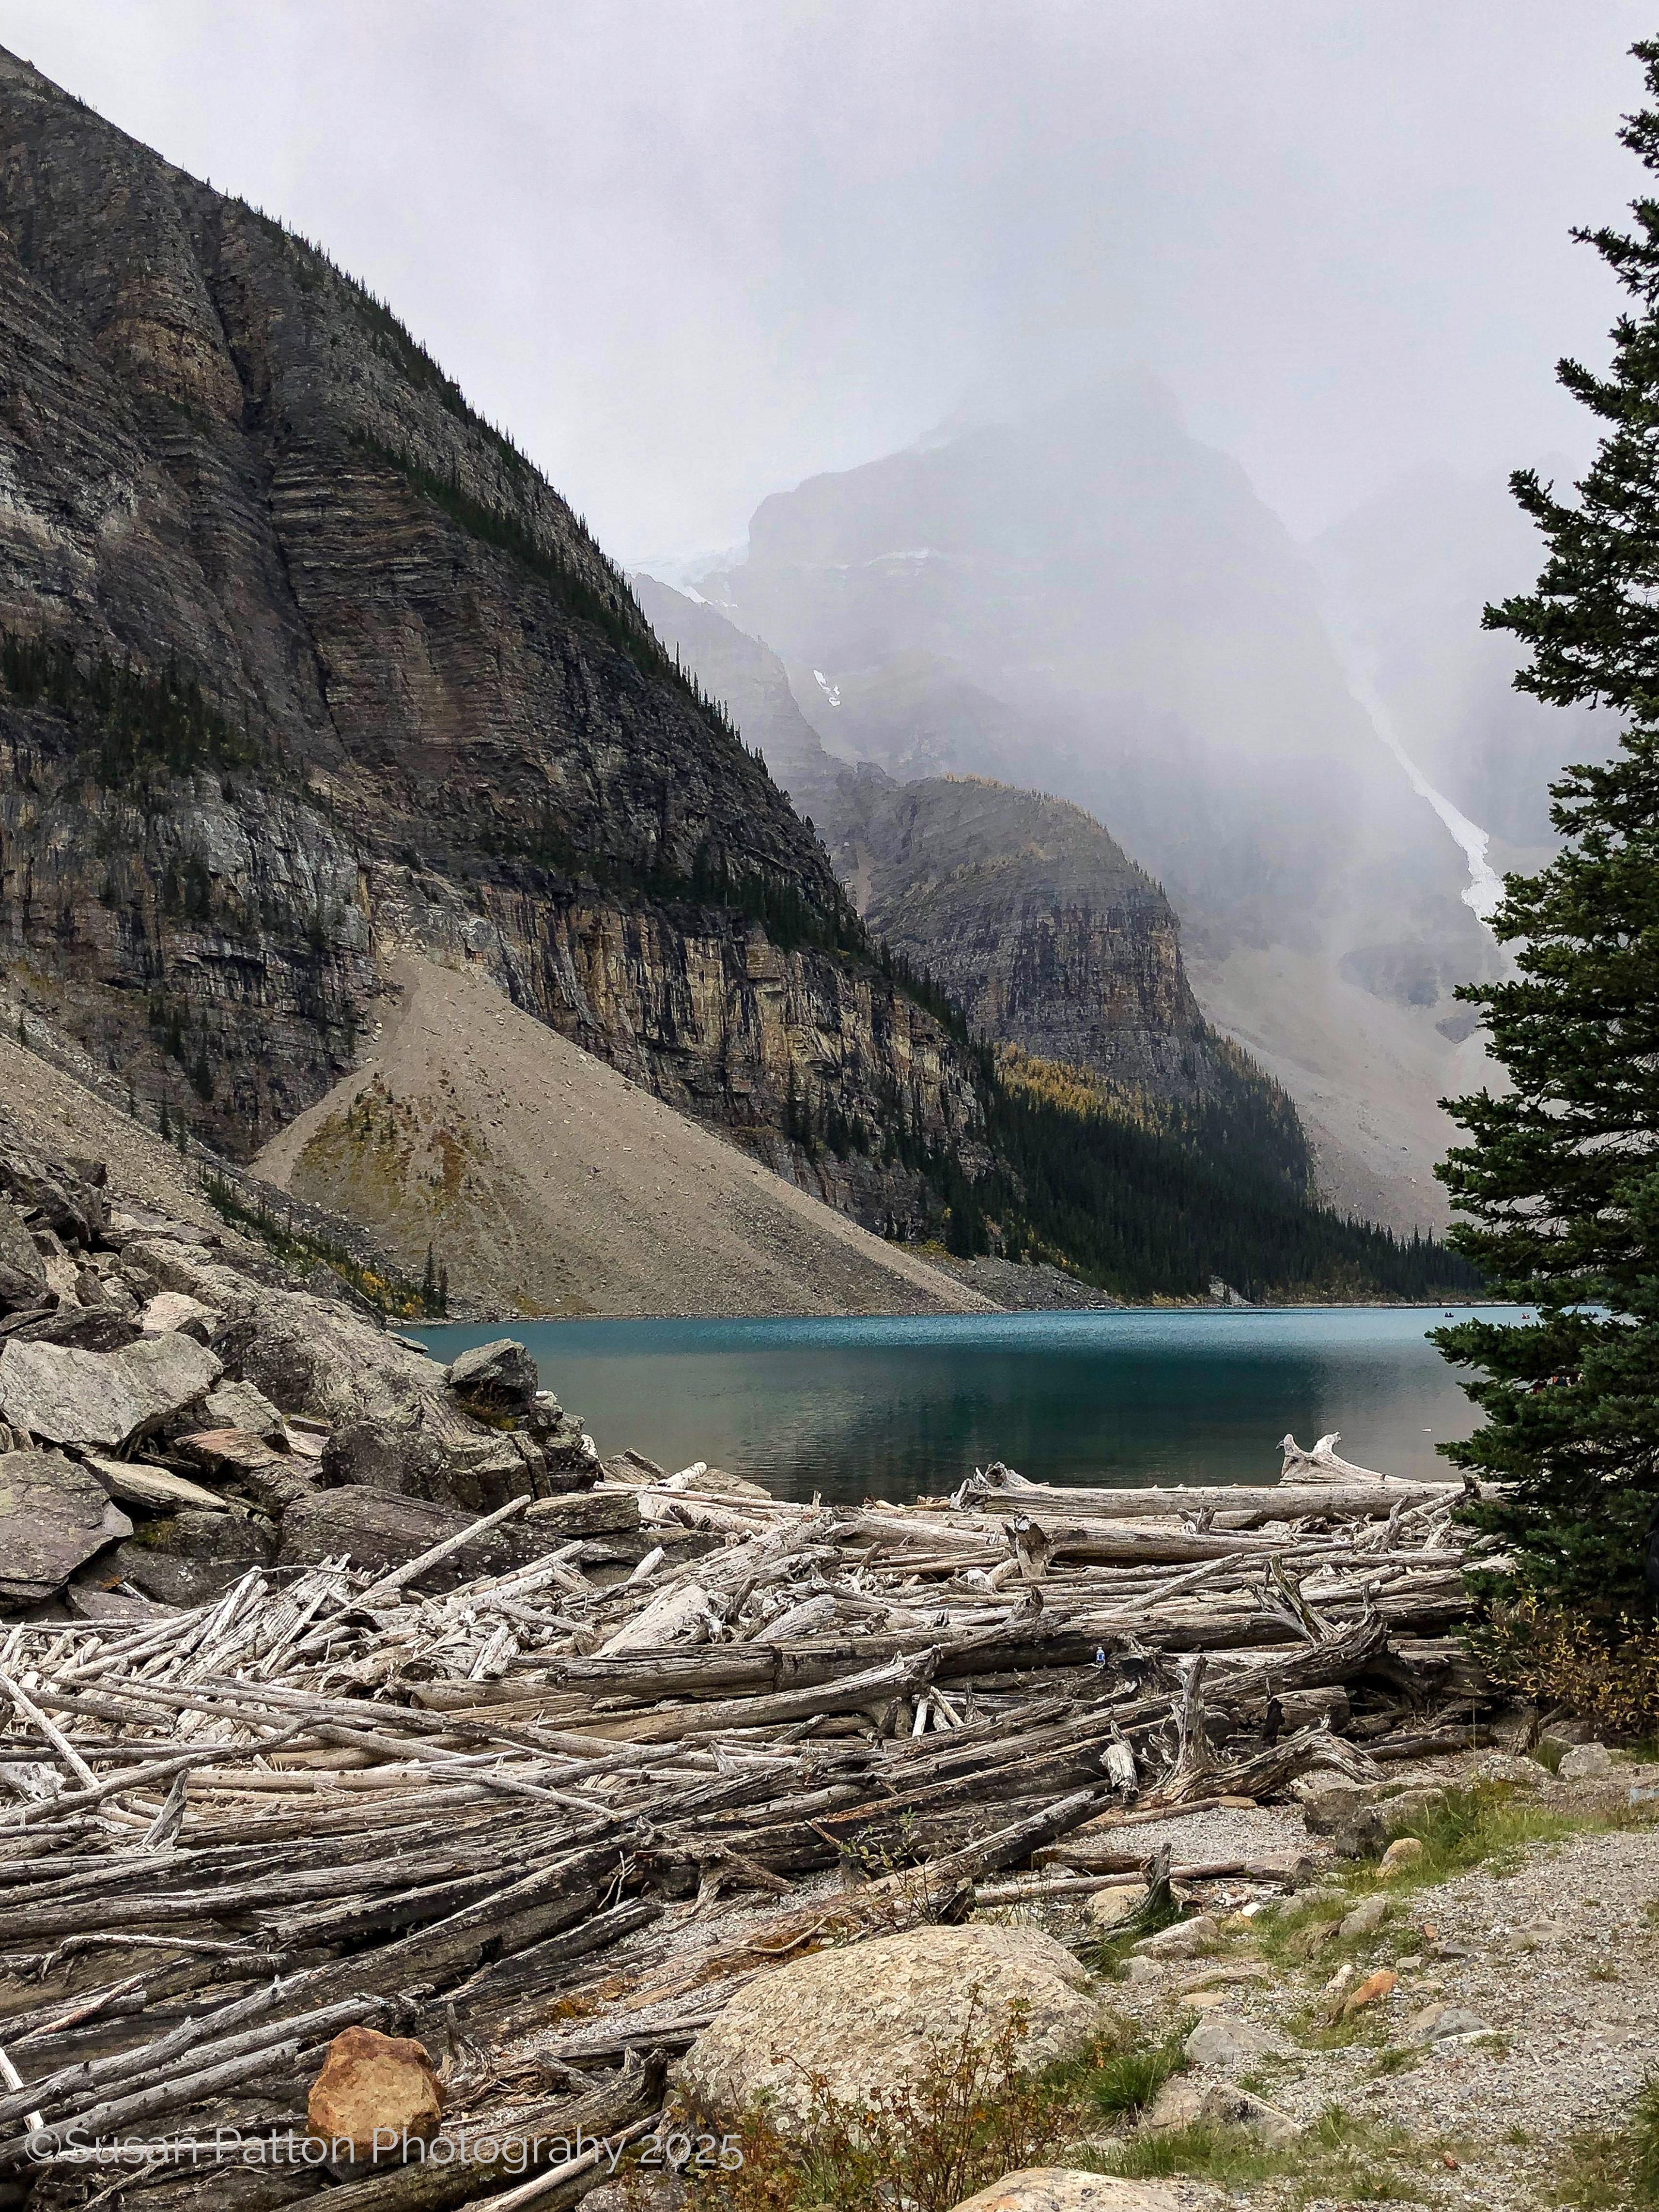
[1118, 2082]
[1339, 2156]
[1614, 2169]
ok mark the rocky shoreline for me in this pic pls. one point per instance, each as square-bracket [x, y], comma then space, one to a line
[349, 1695]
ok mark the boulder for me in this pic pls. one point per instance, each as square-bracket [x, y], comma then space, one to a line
[1187, 2100]
[22, 1274]
[1068, 2189]
[869, 2015]
[193, 1556]
[99, 1328]
[54, 1515]
[1222, 2044]
[320, 1359]
[176, 1310]
[1183, 1939]
[239, 1406]
[375, 2093]
[1361, 1818]
[269, 1479]
[327, 1362]
[71, 1208]
[1110, 1908]
[380, 1531]
[192, 1270]
[495, 1378]
[154, 1488]
[1584, 1762]
[72, 1397]
[1504, 1766]
[374, 1455]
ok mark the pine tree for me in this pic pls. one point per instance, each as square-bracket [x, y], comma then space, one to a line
[1561, 1174]
[429, 1284]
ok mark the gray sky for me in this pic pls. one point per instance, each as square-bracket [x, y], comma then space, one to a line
[691, 251]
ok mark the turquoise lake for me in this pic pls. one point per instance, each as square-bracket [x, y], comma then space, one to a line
[899, 1408]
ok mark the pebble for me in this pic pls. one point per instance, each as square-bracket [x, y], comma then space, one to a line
[1584, 1762]
[1367, 1917]
[1404, 1852]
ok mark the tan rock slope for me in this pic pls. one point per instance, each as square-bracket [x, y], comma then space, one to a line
[547, 1181]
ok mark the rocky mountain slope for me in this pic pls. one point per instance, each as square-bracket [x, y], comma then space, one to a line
[303, 667]
[1090, 601]
[550, 1183]
[1028, 912]
[303, 662]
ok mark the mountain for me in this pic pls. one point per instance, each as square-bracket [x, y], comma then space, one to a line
[310, 685]
[304, 662]
[1023, 907]
[1090, 601]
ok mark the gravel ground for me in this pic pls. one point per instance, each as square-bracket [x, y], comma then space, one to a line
[1556, 1957]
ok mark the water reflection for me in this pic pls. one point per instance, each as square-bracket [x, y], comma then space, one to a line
[899, 1408]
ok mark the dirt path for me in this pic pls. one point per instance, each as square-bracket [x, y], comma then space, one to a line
[548, 1182]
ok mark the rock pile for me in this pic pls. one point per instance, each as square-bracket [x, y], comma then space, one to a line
[173, 1414]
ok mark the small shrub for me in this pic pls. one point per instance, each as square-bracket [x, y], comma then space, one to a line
[971, 2117]
[1120, 2084]
[1604, 1673]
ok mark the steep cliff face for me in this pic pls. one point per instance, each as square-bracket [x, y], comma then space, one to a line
[1022, 906]
[305, 662]
[1037, 923]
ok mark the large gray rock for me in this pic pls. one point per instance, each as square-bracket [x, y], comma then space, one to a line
[319, 1359]
[871, 2014]
[1229, 2046]
[1584, 1762]
[194, 1556]
[1069, 2189]
[239, 1406]
[1181, 1939]
[98, 1401]
[193, 1271]
[54, 1515]
[155, 1489]
[379, 1531]
[73, 1208]
[1189, 2100]
[22, 1271]
[170, 1311]
[101, 1327]
[268, 1478]
[496, 1378]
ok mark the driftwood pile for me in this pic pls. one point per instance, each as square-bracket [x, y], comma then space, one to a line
[513, 1818]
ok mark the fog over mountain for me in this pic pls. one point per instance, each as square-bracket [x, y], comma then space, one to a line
[1409, 573]
[1090, 601]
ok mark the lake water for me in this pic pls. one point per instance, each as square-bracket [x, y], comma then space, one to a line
[899, 1408]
